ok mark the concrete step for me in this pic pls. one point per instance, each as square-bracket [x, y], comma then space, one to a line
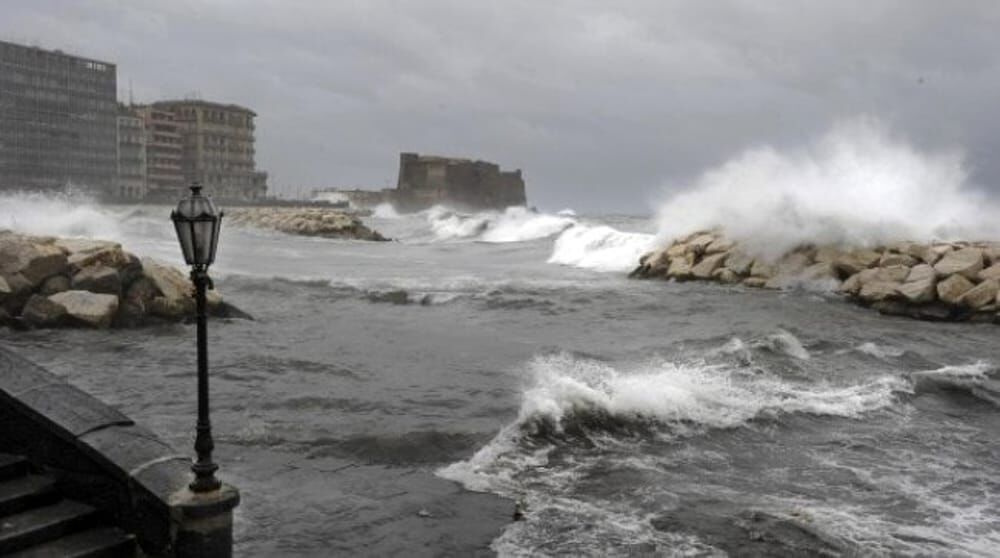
[12, 466]
[99, 542]
[42, 524]
[20, 493]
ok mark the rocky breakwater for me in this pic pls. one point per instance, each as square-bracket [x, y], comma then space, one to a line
[937, 281]
[55, 282]
[306, 221]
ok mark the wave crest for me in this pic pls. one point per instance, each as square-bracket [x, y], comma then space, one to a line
[515, 224]
[601, 248]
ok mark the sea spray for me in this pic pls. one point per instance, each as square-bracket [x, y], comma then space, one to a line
[600, 248]
[855, 186]
[57, 215]
[515, 224]
[683, 398]
[385, 211]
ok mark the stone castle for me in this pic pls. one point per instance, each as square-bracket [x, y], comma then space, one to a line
[428, 180]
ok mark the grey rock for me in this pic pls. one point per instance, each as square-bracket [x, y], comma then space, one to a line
[981, 295]
[42, 312]
[33, 260]
[951, 289]
[966, 261]
[919, 291]
[54, 284]
[708, 265]
[98, 279]
[920, 272]
[890, 259]
[992, 272]
[739, 262]
[93, 309]
[878, 290]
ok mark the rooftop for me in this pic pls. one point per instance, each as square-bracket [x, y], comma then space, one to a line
[205, 104]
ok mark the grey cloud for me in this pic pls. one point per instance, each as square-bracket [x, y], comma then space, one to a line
[605, 105]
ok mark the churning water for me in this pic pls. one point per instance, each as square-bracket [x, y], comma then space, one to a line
[401, 398]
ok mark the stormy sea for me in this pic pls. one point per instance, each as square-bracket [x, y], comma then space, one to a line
[408, 397]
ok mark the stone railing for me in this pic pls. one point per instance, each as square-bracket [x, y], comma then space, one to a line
[101, 457]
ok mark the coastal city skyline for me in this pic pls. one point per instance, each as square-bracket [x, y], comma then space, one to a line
[63, 128]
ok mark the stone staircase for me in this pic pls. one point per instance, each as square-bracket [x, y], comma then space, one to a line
[36, 521]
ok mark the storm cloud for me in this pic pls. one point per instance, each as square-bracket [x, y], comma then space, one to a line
[604, 105]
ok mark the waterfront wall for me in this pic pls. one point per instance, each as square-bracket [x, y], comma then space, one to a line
[97, 454]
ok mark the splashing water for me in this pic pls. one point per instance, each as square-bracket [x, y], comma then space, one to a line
[57, 215]
[600, 248]
[515, 224]
[855, 186]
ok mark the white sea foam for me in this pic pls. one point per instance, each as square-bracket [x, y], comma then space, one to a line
[976, 378]
[385, 211]
[57, 215]
[879, 351]
[685, 397]
[784, 342]
[857, 186]
[673, 394]
[515, 224]
[601, 248]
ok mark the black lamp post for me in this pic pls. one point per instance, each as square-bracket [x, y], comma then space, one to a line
[197, 225]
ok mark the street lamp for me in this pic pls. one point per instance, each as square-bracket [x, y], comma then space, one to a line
[197, 225]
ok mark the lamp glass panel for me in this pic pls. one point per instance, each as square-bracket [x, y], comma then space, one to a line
[204, 230]
[185, 238]
[215, 236]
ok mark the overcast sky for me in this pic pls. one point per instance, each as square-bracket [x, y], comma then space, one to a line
[604, 105]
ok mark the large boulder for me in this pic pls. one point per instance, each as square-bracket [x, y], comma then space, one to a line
[893, 259]
[719, 246]
[39, 311]
[88, 253]
[919, 291]
[992, 272]
[98, 279]
[16, 293]
[725, 275]
[820, 271]
[677, 250]
[851, 285]
[680, 267]
[762, 269]
[853, 262]
[920, 272]
[981, 295]
[874, 291]
[176, 293]
[137, 303]
[739, 262]
[951, 289]
[967, 262]
[701, 242]
[708, 265]
[33, 260]
[54, 284]
[92, 309]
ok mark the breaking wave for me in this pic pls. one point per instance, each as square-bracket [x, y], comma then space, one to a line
[515, 224]
[601, 248]
[976, 379]
[857, 186]
[57, 215]
[385, 211]
[575, 397]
